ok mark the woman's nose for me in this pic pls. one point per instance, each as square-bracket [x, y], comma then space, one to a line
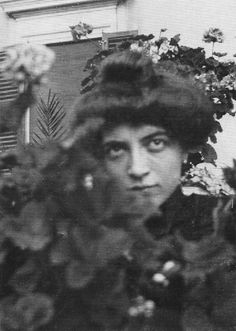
[138, 165]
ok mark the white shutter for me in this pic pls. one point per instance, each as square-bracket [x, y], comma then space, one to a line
[113, 40]
[8, 92]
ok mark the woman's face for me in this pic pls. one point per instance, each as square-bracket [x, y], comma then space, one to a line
[144, 162]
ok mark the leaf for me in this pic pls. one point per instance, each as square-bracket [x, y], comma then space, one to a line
[87, 88]
[50, 119]
[211, 63]
[195, 318]
[210, 254]
[219, 54]
[85, 81]
[31, 229]
[8, 160]
[36, 310]
[60, 252]
[113, 244]
[28, 313]
[79, 273]
[230, 175]
[175, 40]
[223, 296]
[209, 153]
[25, 279]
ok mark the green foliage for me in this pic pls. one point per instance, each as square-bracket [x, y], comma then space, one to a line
[50, 121]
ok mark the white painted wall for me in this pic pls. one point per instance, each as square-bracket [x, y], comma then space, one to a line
[48, 24]
[9, 34]
[190, 18]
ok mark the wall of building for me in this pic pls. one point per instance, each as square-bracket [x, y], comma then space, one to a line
[190, 18]
[8, 30]
[49, 21]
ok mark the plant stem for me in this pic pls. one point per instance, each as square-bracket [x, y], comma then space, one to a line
[212, 50]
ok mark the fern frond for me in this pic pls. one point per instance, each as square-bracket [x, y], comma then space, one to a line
[50, 119]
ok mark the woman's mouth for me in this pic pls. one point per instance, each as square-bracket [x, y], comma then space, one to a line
[143, 188]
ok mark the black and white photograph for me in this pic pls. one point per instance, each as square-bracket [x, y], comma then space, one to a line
[117, 165]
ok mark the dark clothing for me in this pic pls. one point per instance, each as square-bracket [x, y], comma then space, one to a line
[192, 217]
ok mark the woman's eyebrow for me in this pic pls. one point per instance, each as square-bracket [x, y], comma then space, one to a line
[154, 134]
[114, 142]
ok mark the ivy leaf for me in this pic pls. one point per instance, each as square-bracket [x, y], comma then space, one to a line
[8, 160]
[31, 229]
[217, 128]
[175, 40]
[87, 88]
[230, 175]
[224, 298]
[209, 154]
[36, 310]
[219, 54]
[210, 254]
[85, 81]
[113, 244]
[25, 278]
[195, 318]
[27, 313]
[211, 63]
[60, 252]
[79, 273]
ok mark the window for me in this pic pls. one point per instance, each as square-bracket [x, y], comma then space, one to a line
[113, 40]
[8, 92]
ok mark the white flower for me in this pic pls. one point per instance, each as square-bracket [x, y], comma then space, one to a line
[169, 265]
[27, 62]
[206, 178]
[136, 48]
[149, 307]
[161, 279]
[164, 47]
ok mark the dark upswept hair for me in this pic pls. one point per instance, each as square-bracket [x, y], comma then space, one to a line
[131, 90]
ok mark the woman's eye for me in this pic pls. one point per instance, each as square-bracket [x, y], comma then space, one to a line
[114, 151]
[157, 144]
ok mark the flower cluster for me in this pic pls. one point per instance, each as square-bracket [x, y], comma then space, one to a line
[140, 306]
[229, 82]
[206, 179]
[155, 49]
[80, 30]
[213, 35]
[27, 63]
